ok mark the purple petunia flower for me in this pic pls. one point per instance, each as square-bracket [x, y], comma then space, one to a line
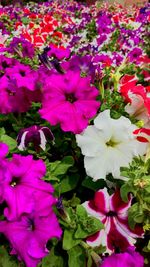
[129, 258]
[38, 135]
[28, 236]
[134, 54]
[26, 49]
[69, 100]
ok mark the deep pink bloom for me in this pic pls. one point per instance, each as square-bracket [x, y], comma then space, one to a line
[113, 213]
[3, 166]
[28, 236]
[58, 52]
[24, 76]
[3, 150]
[13, 98]
[130, 258]
[70, 101]
[21, 183]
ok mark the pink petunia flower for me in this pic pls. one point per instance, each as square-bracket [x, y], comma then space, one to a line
[21, 183]
[129, 258]
[3, 150]
[28, 236]
[70, 101]
[113, 213]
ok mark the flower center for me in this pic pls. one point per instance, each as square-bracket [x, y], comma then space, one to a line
[22, 72]
[112, 143]
[31, 224]
[14, 182]
[111, 214]
[71, 98]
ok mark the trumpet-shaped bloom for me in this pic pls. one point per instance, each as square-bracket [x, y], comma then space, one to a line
[113, 213]
[129, 258]
[28, 236]
[108, 145]
[70, 101]
[38, 135]
[136, 96]
[21, 182]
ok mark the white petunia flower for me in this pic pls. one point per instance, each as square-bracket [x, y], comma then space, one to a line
[108, 145]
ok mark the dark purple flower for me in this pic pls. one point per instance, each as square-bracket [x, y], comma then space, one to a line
[38, 135]
[50, 63]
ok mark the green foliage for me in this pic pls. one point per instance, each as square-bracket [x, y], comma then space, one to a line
[89, 183]
[53, 260]
[7, 139]
[113, 101]
[77, 257]
[6, 260]
[91, 30]
[80, 226]
[138, 183]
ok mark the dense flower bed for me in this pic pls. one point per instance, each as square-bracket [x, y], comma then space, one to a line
[74, 135]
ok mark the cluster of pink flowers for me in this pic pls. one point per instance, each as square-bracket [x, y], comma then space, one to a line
[29, 217]
[18, 85]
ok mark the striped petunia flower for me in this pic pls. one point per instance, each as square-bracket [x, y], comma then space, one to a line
[113, 213]
[38, 135]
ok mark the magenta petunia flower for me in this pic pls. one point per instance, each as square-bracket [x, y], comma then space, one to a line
[24, 76]
[3, 166]
[21, 183]
[3, 150]
[70, 101]
[129, 258]
[113, 213]
[28, 236]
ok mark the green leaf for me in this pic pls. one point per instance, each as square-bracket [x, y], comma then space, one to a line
[81, 212]
[89, 261]
[139, 218]
[53, 260]
[2, 132]
[88, 227]
[6, 260]
[88, 183]
[69, 240]
[69, 183]
[133, 212]
[77, 257]
[124, 191]
[9, 141]
[57, 167]
[25, 20]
